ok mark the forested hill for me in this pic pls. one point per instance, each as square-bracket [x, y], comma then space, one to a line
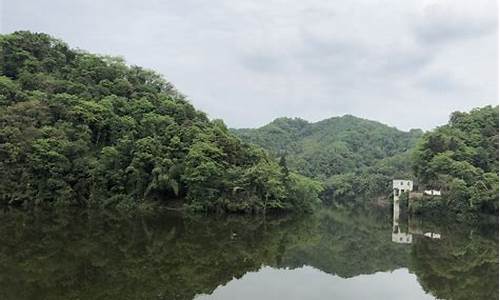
[461, 158]
[350, 154]
[332, 146]
[78, 128]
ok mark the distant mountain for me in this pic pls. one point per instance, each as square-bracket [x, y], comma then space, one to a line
[340, 151]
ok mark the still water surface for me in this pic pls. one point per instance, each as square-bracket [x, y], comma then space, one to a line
[331, 254]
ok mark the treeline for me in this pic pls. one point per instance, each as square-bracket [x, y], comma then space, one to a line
[353, 157]
[82, 129]
[461, 158]
[356, 159]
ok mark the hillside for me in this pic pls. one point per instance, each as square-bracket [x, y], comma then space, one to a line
[82, 129]
[350, 154]
[461, 158]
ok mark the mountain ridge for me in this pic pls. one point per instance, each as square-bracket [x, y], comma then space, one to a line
[307, 122]
[338, 150]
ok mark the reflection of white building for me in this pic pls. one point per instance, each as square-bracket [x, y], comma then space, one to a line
[402, 238]
[432, 235]
[401, 186]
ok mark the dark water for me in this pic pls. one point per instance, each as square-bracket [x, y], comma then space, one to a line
[332, 254]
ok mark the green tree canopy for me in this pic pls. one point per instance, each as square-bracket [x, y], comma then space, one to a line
[461, 158]
[83, 129]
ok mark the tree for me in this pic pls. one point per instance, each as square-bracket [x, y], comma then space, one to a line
[461, 158]
[82, 129]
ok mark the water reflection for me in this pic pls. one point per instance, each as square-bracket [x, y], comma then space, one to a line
[404, 234]
[313, 284]
[341, 253]
[398, 235]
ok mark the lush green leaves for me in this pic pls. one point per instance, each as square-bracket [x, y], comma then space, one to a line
[351, 156]
[78, 128]
[461, 158]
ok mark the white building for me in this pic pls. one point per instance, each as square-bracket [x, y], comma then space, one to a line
[432, 192]
[401, 186]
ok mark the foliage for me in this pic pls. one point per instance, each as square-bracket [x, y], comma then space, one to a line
[351, 156]
[303, 191]
[83, 129]
[461, 158]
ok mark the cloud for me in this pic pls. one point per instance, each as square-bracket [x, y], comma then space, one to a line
[441, 84]
[405, 63]
[444, 21]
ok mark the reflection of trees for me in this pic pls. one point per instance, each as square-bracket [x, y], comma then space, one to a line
[462, 265]
[102, 255]
[350, 243]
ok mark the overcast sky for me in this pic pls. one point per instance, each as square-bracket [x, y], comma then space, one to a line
[405, 63]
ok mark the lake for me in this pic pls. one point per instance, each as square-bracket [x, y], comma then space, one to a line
[329, 254]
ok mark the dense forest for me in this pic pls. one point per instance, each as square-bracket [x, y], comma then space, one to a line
[83, 129]
[461, 158]
[357, 158]
[353, 157]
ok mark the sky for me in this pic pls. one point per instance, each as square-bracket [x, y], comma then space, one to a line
[310, 283]
[407, 63]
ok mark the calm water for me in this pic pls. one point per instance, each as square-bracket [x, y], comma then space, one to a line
[331, 254]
